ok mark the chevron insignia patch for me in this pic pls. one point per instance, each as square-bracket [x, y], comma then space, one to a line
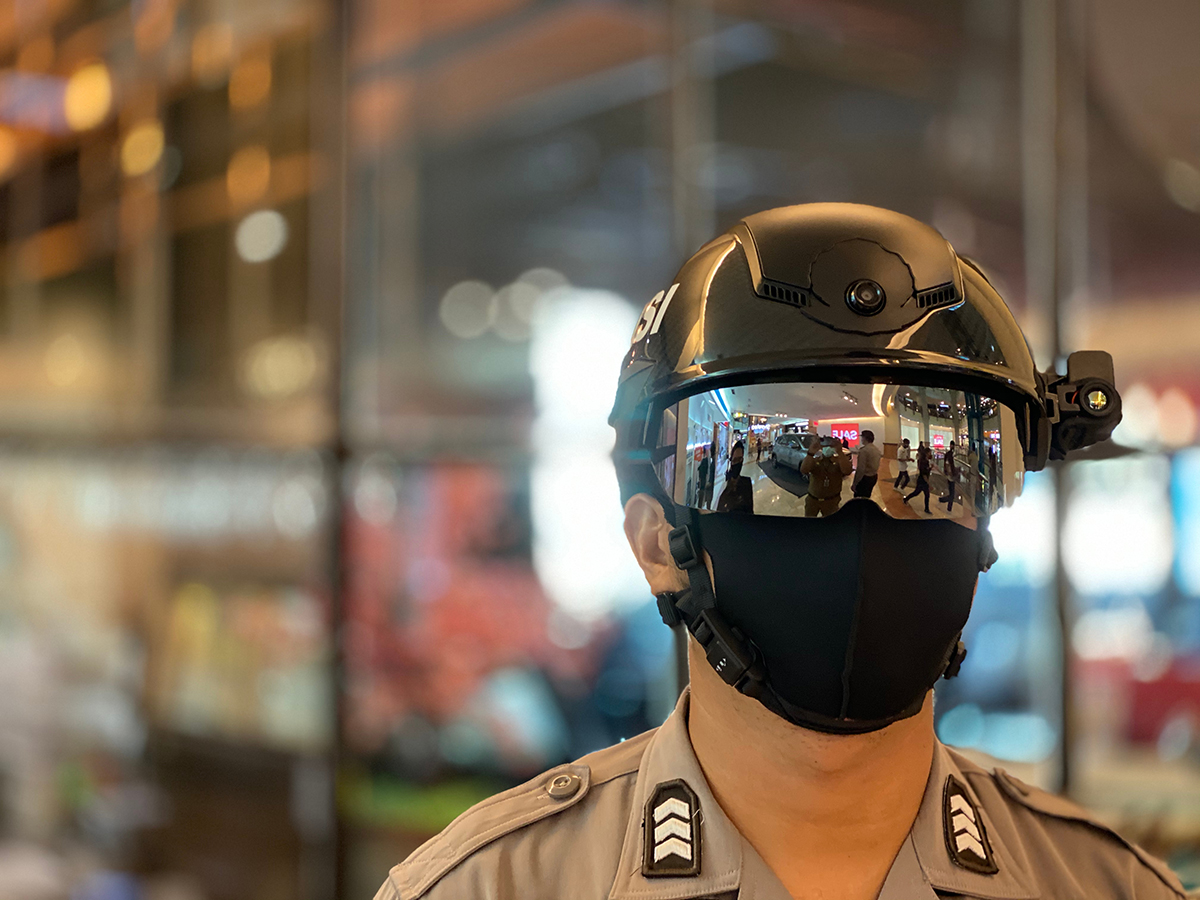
[966, 838]
[671, 831]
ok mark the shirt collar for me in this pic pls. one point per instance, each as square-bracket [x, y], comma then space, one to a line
[730, 864]
[668, 756]
[928, 836]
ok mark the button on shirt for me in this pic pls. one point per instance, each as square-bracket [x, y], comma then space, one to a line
[599, 828]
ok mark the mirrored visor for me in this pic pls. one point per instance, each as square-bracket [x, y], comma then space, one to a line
[806, 449]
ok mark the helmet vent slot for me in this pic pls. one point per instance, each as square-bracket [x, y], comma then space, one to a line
[784, 293]
[941, 295]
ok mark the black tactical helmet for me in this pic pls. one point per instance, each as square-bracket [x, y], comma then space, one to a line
[840, 292]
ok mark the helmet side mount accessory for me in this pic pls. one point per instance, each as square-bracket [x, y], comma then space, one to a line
[1082, 407]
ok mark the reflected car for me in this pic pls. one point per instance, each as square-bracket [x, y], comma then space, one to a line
[790, 450]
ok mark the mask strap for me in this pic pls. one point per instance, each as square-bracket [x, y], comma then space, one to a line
[987, 558]
[727, 650]
[954, 658]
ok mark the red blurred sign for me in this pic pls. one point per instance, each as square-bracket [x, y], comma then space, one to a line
[698, 453]
[848, 433]
[939, 441]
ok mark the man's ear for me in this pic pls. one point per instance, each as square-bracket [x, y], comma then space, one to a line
[648, 530]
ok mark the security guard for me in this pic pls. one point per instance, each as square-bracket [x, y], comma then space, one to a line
[802, 760]
[826, 467]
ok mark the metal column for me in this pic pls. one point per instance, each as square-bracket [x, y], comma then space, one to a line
[1055, 207]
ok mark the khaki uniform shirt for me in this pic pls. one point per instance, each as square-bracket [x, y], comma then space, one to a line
[869, 457]
[825, 474]
[637, 821]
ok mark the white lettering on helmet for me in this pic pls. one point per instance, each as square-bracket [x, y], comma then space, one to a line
[652, 314]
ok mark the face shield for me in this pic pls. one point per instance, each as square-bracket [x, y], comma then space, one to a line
[805, 449]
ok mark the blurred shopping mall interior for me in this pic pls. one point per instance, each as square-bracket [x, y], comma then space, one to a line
[310, 320]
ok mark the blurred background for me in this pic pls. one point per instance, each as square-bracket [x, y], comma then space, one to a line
[310, 318]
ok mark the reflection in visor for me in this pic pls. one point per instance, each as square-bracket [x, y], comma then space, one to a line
[805, 449]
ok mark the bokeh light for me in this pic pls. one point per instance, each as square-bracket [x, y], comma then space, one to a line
[514, 305]
[88, 97]
[261, 236]
[281, 367]
[468, 309]
[212, 50]
[9, 151]
[65, 360]
[250, 81]
[74, 361]
[248, 175]
[142, 148]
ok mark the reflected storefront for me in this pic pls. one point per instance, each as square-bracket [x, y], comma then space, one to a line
[801, 461]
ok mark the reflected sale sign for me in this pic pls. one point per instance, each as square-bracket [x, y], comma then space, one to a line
[848, 433]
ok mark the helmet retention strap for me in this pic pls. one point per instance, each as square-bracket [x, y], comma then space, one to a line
[727, 650]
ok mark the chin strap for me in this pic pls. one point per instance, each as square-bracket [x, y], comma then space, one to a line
[728, 651]
[954, 659]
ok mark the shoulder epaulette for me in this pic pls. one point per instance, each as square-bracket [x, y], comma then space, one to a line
[550, 793]
[1060, 808]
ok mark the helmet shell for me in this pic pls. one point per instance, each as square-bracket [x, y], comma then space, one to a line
[781, 296]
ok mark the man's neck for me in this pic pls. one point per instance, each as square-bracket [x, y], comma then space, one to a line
[827, 813]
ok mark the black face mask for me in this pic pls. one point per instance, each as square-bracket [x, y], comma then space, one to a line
[854, 616]
[734, 470]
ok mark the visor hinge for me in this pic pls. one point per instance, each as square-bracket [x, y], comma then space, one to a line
[1052, 401]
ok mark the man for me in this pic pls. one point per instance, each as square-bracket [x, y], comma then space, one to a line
[802, 761]
[738, 493]
[866, 475]
[903, 458]
[703, 481]
[826, 466]
[950, 470]
[924, 471]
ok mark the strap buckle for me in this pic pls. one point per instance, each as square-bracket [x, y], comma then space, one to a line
[957, 655]
[667, 609]
[683, 548]
[727, 651]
